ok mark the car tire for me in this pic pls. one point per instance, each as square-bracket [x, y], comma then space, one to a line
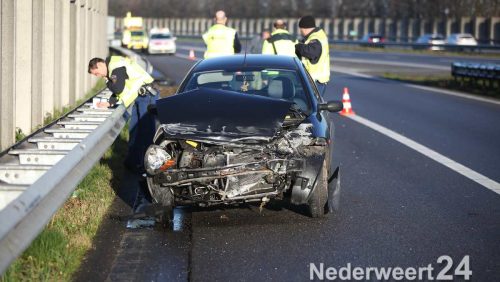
[319, 195]
[166, 214]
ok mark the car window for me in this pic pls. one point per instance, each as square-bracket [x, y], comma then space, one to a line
[272, 83]
[160, 36]
[137, 33]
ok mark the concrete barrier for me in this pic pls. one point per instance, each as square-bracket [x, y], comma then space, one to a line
[45, 46]
[486, 30]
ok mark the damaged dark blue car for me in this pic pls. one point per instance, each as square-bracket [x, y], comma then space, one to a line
[244, 129]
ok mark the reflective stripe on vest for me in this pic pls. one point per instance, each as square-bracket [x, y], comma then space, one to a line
[321, 70]
[220, 41]
[137, 77]
[284, 43]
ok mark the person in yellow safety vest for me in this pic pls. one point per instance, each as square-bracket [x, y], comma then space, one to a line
[130, 85]
[220, 39]
[281, 42]
[314, 52]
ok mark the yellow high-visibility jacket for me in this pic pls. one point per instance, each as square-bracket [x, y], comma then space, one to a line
[137, 77]
[284, 43]
[219, 40]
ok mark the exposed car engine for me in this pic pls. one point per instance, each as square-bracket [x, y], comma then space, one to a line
[210, 172]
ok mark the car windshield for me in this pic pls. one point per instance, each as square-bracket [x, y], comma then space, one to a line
[273, 83]
[160, 36]
[137, 33]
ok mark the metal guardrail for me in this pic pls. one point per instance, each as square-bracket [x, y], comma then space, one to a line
[422, 46]
[489, 73]
[38, 174]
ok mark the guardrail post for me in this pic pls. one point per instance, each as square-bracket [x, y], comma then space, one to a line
[387, 28]
[184, 26]
[357, 27]
[40, 101]
[494, 30]
[244, 28]
[237, 26]
[76, 38]
[379, 25]
[410, 30]
[55, 54]
[465, 25]
[292, 27]
[197, 27]
[481, 30]
[258, 26]
[22, 59]
[62, 53]
[177, 26]
[268, 24]
[336, 28]
[366, 26]
[251, 27]
[88, 47]
[346, 28]
[7, 103]
[401, 35]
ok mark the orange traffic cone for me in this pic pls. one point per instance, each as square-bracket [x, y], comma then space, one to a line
[191, 55]
[346, 101]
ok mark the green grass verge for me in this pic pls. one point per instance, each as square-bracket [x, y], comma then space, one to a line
[59, 249]
[448, 82]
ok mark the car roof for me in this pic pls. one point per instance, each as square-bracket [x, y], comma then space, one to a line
[248, 61]
[159, 30]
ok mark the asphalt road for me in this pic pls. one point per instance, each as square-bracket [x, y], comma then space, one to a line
[398, 207]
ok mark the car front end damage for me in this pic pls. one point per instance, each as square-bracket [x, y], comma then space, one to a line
[218, 147]
[206, 172]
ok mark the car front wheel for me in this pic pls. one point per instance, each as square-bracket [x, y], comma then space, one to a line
[319, 195]
[165, 200]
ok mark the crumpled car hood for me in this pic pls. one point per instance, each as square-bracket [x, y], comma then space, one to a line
[220, 114]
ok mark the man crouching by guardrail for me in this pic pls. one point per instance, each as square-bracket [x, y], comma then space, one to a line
[131, 85]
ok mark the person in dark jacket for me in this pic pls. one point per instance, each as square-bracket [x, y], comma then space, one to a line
[314, 52]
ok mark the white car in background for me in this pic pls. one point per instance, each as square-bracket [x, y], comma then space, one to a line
[431, 41]
[161, 41]
[462, 39]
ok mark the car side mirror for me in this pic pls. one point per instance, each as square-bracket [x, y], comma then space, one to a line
[331, 106]
[152, 110]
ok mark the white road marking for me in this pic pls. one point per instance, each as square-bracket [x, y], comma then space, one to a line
[451, 164]
[426, 88]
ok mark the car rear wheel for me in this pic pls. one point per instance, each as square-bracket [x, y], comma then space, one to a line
[319, 195]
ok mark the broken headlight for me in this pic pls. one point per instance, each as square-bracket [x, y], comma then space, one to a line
[157, 160]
